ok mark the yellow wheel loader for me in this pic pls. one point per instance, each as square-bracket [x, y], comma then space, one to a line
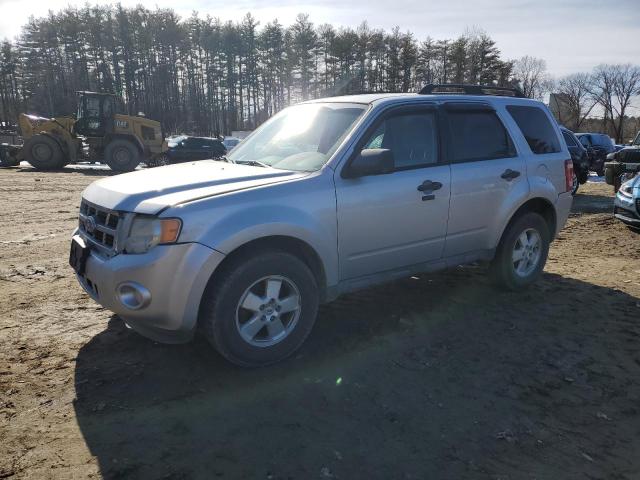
[100, 132]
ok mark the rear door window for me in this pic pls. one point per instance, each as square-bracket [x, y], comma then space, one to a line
[478, 135]
[536, 128]
[193, 143]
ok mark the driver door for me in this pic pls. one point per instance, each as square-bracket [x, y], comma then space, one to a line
[390, 221]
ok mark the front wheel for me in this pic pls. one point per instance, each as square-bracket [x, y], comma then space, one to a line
[43, 153]
[259, 311]
[522, 253]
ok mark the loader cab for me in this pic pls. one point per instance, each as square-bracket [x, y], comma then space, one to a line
[96, 112]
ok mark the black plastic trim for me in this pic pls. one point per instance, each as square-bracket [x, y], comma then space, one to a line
[469, 90]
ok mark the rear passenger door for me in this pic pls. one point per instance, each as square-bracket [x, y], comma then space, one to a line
[198, 149]
[485, 173]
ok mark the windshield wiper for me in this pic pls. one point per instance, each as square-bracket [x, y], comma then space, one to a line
[254, 163]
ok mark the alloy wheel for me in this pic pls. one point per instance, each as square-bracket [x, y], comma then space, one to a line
[268, 311]
[527, 252]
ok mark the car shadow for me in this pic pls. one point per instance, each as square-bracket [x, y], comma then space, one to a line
[437, 376]
[592, 203]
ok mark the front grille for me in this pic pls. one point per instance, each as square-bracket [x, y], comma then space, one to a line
[99, 226]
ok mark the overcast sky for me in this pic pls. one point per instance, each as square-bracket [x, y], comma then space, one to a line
[571, 35]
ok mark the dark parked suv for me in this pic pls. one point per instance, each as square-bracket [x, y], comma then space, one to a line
[599, 146]
[186, 149]
[580, 159]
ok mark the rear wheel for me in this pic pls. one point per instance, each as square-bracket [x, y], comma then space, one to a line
[44, 153]
[122, 156]
[259, 311]
[522, 252]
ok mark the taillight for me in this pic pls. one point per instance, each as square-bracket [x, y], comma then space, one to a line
[568, 174]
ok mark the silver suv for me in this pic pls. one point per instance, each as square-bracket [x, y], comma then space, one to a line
[327, 197]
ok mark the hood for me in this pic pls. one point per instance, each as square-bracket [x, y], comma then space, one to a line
[151, 190]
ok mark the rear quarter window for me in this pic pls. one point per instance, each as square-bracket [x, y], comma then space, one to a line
[536, 128]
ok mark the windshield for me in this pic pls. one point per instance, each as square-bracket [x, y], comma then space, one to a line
[301, 138]
[174, 141]
[637, 140]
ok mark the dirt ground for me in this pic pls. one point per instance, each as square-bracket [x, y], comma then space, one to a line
[436, 377]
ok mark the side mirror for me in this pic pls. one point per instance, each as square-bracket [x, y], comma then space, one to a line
[371, 161]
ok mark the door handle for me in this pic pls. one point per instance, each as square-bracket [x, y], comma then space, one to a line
[509, 174]
[428, 186]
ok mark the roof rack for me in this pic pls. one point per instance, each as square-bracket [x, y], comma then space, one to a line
[462, 89]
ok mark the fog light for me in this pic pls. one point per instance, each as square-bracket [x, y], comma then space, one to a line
[133, 295]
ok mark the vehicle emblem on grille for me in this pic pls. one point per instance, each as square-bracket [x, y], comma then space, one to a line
[90, 224]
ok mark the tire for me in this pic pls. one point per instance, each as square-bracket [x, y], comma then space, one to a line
[159, 161]
[7, 160]
[504, 269]
[122, 156]
[44, 153]
[576, 184]
[245, 336]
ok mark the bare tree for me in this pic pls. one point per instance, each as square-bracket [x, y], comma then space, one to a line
[574, 95]
[613, 87]
[531, 73]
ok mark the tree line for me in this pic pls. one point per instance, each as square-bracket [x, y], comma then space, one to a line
[207, 77]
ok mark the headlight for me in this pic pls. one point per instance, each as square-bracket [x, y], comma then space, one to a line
[626, 188]
[147, 232]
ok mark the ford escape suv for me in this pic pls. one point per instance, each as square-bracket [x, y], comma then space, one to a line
[327, 197]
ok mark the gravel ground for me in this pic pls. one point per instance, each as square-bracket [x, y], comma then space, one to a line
[437, 376]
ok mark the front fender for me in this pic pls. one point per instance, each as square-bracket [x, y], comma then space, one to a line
[303, 209]
[233, 231]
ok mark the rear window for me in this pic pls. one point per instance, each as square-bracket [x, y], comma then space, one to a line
[536, 128]
[603, 140]
[478, 135]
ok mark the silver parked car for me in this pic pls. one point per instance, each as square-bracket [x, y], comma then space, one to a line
[627, 203]
[327, 197]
